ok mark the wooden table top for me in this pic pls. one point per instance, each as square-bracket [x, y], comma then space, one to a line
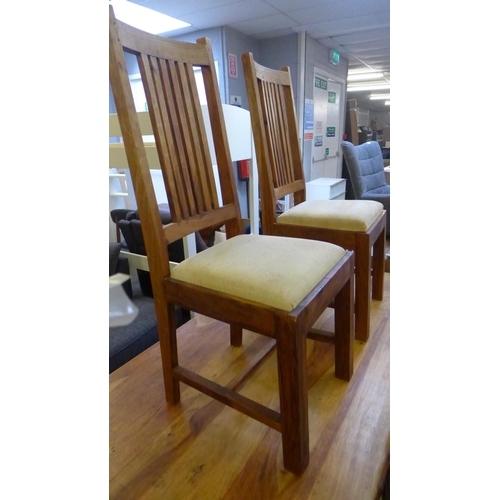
[201, 449]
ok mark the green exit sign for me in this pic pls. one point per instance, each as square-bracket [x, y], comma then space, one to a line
[334, 57]
[320, 83]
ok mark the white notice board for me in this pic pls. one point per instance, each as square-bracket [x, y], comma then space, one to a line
[327, 102]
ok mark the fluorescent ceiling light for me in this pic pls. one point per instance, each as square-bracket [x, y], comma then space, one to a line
[380, 96]
[384, 86]
[361, 70]
[145, 19]
[364, 76]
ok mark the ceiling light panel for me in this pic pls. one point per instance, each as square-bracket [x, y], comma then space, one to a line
[145, 19]
[364, 76]
[353, 88]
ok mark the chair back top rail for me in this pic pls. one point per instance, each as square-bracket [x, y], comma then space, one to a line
[166, 68]
[274, 122]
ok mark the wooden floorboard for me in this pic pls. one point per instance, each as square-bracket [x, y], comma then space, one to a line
[201, 449]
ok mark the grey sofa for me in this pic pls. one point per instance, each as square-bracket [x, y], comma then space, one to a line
[365, 174]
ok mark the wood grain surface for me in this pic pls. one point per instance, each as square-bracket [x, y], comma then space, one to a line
[201, 449]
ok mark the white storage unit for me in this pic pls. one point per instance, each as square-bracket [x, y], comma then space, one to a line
[326, 188]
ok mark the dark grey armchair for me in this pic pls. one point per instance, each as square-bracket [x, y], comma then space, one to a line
[365, 174]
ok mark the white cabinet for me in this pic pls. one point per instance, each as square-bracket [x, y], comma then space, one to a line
[326, 188]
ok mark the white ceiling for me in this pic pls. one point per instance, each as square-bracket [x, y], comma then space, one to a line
[358, 29]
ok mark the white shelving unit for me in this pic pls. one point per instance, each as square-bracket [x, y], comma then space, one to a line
[326, 188]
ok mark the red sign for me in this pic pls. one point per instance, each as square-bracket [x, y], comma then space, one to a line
[233, 66]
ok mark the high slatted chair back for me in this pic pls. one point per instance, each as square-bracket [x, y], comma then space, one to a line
[276, 136]
[167, 72]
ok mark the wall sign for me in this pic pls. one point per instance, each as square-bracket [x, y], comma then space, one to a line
[320, 83]
[334, 57]
[236, 100]
[233, 65]
[309, 120]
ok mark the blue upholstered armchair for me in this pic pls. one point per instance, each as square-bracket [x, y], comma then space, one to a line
[365, 168]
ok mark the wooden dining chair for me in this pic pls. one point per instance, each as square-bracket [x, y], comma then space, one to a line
[355, 225]
[277, 287]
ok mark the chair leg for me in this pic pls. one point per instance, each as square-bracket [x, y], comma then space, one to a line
[378, 267]
[344, 331]
[292, 373]
[362, 278]
[236, 333]
[168, 346]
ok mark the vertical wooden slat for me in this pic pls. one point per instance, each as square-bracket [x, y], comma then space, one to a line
[170, 119]
[178, 156]
[203, 159]
[181, 131]
[280, 131]
[285, 136]
[261, 97]
[191, 138]
[293, 137]
[221, 144]
[163, 134]
[267, 115]
[276, 128]
[272, 131]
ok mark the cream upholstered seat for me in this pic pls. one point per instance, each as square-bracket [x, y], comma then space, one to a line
[278, 272]
[352, 224]
[273, 287]
[344, 215]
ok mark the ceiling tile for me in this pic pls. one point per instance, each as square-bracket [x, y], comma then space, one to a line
[273, 34]
[372, 45]
[265, 24]
[342, 26]
[222, 16]
[339, 10]
[290, 5]
[363, 36]
[384, 18]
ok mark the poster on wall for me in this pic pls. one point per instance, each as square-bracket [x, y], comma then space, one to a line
[309, 120]
[318, 134]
